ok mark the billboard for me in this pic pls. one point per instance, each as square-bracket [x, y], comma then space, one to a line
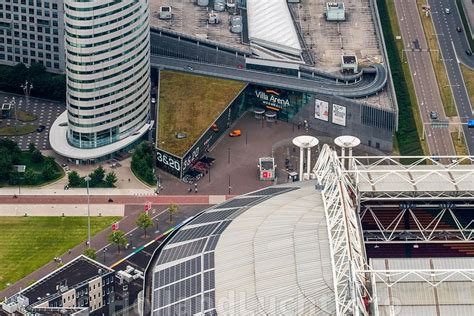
[321, 110]
[339, 114]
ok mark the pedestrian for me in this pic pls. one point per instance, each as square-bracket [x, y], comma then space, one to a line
[14, 196]
[69, 251]
[195, 185]
[128, 179]
[190, 189]
[195, 190]
[299, 125]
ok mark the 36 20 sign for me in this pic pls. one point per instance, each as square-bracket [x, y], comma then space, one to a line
[169, 161]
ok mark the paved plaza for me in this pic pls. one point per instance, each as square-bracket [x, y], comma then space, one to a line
[46, 110]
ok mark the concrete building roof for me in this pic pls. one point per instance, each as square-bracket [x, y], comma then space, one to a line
[270, 25]
[59, 143]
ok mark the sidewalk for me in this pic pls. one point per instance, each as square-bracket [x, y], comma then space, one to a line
[99, 241]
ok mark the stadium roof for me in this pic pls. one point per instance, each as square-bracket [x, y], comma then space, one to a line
[424, 286]
[270, 25]
[255, 254]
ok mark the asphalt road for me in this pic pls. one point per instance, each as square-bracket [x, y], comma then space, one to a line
[449, 38]
[446, 25]
[423, 75]
[360, 89]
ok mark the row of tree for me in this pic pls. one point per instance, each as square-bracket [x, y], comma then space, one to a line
[144, 221]
[142, 163]
[98, 179]
[45, 85]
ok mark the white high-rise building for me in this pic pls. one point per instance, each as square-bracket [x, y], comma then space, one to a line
[107, 46]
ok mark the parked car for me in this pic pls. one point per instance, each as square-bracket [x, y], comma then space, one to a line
[459, 29]
[235, 133]
[40, 128]
[433, 115]
[447, 11]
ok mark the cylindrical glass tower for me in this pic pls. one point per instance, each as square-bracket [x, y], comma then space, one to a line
[107, 44]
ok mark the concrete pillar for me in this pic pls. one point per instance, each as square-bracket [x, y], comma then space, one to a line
[301, 162]
[350, 159]
[343, 153]
[308, 162]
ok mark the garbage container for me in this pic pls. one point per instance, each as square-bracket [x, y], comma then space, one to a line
[293, 176]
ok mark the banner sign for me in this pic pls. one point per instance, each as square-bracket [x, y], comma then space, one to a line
[339, 114]
[321, 110]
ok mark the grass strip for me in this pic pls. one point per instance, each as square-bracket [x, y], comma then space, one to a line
[410, 125]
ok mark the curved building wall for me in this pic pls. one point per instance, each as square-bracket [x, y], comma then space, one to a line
[107, 46]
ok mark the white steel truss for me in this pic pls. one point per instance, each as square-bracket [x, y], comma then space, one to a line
[346, 247]
[342, 197]
[433, 277]
[453, 177]
[424, 232]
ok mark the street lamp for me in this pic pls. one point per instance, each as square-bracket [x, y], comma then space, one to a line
[87, 178]
[13, 105]
[103, 252]
[27, 89]
[131, 240]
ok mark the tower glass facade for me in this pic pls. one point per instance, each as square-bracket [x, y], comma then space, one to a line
[107, 45]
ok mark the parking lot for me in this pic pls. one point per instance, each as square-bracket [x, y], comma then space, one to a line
[45, 110]
[328, 40]
[189, 18]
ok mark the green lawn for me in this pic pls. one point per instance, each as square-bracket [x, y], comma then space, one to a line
[190, 104]
[20, 130]
[24, 116]
[468, 76]
[28, 243]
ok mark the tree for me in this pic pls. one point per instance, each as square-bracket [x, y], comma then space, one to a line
[74, 179]
[111, 179]
[49, 169]
[172, 209]
[6, 164]
[31, 148]
[37, 156]
[118, 238]
[142, 162]
[14, 178]
[30, 176]
[97, 176]
[91, 253]
[12, 150]
[144, 221]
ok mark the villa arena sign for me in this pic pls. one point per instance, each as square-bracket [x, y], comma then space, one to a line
[272, 99]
